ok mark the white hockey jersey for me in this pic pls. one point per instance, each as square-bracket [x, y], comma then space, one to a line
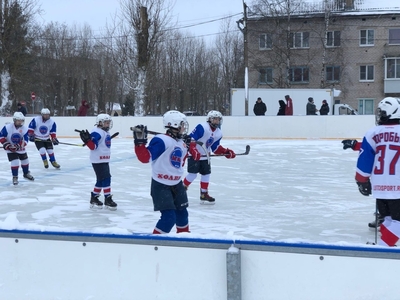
[102, 140]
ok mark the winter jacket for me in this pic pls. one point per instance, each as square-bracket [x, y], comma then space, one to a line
[324, 110]
[311, 109]
[289, 106]
[260, 108]
[83, 108]
[282, 108]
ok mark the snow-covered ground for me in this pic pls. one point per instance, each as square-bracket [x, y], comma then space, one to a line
[284, 190]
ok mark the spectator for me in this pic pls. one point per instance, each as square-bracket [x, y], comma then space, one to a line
[289, 106]
[311, 109]
[83, 108]
[324, 110]
[259, 107]
[282, 108]
[21, 108]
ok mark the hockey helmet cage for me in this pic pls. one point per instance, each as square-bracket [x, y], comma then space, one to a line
[212, 115]
[101, 119]
[388, 109]
[177, 120]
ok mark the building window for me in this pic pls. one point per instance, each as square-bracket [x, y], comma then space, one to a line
[393, 68]
[394, 36]
[366, 106]
[265, 76]
[332, 73]
[333, 39]
[299, 40]
[265, 41]
[367, 37]
[299, 75]
[366, 73]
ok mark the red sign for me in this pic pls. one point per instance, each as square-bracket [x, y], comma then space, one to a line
[33, 96]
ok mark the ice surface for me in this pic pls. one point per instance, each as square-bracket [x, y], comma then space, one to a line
[284, 190]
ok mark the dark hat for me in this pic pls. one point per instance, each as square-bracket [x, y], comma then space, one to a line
[310, 99]
[19, 104]
[259, 98]
[324, 101]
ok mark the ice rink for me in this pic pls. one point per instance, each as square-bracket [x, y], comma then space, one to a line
[284, 190]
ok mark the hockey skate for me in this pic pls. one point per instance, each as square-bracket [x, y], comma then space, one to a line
[109, 203]
[373, 223]
[46, 164]
[15, 180]
[206, 198]
[29, 176]
[55, 164]
[95, 202]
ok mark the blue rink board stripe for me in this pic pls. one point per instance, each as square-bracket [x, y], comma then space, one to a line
[368, 251]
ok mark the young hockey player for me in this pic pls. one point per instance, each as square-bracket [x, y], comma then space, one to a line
[378, 168]
[14, 137]
[99, 143]
[42, 130]
[210, 135]
[167, 153]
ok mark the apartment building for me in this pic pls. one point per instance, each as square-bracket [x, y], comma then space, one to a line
[352, 46]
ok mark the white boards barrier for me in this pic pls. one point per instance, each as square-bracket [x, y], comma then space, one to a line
[252, 127]
[52, 265]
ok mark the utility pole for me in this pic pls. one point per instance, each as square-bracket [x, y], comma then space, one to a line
[243, 29]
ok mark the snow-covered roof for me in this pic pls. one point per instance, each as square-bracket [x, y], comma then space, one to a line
[307, 7]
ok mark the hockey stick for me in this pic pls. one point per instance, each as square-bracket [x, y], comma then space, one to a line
[134, 129]
[79, 145]
[246, 152]
[112, 136]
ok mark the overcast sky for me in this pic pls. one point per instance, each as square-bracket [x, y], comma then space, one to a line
[97, 12]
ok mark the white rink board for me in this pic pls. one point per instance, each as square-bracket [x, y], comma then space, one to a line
[250, 127]
[60, 269]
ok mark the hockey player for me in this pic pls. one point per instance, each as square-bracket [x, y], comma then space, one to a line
[99, 143]
[378, 168]
[14, 137]
[42, 131]
[356, 145]
[167, 153]
[210, 135]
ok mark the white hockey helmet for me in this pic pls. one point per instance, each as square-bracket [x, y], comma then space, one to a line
[177, 120]
[213, 116]
[18, 118]
[388, 109]
[101, 119]
[45, 111]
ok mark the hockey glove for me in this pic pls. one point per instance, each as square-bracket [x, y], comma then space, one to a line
[85, 136]
[193, 151]
[140, 135]
[187, 139]
[55, 141]
[32, 138]
[229, 153]
[9, 147]
[365, 187]
[349, 144]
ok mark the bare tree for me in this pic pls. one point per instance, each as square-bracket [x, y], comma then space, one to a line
[144, 24]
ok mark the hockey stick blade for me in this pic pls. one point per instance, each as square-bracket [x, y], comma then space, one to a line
[246, 152]
[148, 131]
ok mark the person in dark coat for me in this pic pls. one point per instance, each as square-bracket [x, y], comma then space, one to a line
[311, 109]
[259, 107]
[282, 108]
[83, 108]
[21, 108]
[324, 110]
